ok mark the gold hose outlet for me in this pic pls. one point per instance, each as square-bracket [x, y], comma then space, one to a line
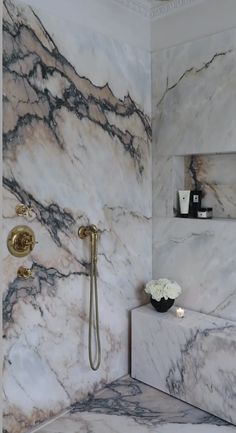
[85, 231]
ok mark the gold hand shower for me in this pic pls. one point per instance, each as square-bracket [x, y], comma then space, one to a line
[92, 232]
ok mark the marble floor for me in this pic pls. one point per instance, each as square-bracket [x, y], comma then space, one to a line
[127, 405]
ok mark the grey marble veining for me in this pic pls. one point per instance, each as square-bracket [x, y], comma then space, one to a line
[190, 358]
[194, 96]
[215, 175]
[200, 256]
[168, 176]
[128, 405]
[76, 147]
[193, 90]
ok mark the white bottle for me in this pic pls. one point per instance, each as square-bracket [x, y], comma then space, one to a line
[184, 199]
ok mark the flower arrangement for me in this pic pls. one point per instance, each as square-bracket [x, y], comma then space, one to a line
[163, 288]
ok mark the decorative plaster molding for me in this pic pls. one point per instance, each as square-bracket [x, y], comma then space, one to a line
[151, 10]
[141, 7]
[170, 6]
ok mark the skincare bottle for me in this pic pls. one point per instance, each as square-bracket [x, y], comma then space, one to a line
[184, 199]
[195, 203]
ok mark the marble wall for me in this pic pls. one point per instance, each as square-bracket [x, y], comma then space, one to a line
[194, 101]
[77, 148]
[215, 176]
[190, 358]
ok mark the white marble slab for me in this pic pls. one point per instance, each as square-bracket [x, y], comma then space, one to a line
[193, 105]
[215, 175]
[200, 256]
[192, 358]
[77, 147]
[129, 406]
[167, 178]
[194, 96]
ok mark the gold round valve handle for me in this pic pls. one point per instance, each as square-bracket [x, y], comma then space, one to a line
[21, 241]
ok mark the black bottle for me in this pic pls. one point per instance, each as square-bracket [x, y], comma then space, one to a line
[195, 203]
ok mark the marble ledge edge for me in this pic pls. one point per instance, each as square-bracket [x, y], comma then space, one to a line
[148, 310]
[195, 221]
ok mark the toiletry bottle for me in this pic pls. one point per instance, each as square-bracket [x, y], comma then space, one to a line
[195, 203]
[184, 200]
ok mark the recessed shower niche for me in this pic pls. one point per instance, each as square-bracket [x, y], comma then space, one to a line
[215, 175]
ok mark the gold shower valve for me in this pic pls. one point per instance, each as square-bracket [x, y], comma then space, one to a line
[23, 210]
[24, 272]
[21, 241]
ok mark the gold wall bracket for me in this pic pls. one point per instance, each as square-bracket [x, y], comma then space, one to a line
[21, 241]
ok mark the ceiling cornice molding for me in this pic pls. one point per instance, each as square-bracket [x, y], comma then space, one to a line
[137, 6]
[152, 11]
[170, 6]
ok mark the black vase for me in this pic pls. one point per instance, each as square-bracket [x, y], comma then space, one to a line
[163, 305]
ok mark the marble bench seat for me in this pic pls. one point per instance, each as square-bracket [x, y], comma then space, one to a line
[193, 359]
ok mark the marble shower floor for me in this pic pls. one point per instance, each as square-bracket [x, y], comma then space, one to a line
[129, 406]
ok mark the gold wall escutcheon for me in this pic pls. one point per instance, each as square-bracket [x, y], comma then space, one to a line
[21, 241]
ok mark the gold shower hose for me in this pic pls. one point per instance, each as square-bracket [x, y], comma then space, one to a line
[94, 361]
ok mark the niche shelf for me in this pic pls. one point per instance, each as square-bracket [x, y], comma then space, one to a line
[215, 175]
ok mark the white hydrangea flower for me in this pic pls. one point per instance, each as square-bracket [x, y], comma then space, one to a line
[149, 286]
[172, 290]
[163, 288]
